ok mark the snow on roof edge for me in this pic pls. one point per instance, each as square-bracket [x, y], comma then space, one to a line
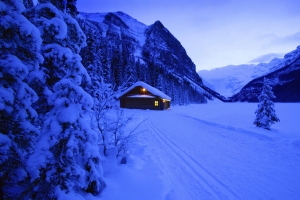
[151, 89]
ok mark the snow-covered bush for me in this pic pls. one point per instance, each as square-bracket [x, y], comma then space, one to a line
[109, 121]
[19, 57]
[104, 108]
[104, 101]
[265, 113]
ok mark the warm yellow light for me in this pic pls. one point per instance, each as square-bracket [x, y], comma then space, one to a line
[155, 103]
[164, 100]
[144, 89]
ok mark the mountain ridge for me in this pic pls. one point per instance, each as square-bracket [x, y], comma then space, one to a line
[285, 81]
[230, 79]
[234, 81]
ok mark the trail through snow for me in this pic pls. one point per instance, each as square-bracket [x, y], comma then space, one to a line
[200, 179]
[189, 153]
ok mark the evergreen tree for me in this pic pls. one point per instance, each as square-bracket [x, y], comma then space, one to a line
[58, 30]
[66, 156]
[265, 113]
[116, 65]
[19, 57]
[66, 6]
[105, 55]
[28, 3]
[131, 73]
[71, 8]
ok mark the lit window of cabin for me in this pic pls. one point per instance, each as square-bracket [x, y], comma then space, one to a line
[155, 103]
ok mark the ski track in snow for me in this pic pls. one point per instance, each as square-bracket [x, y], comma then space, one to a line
[215, 152]
[206, 179]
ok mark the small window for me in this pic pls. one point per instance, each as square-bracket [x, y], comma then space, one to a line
[155, 103]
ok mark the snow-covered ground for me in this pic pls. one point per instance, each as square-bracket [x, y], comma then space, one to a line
[209, 151]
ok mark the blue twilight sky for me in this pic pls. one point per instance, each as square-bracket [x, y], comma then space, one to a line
[216, 33]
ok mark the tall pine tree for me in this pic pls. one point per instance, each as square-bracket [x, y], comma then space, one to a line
[66, 157]
[265, 113]
[66, 6]
[20, 43]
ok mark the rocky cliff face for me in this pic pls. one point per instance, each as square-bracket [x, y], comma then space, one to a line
[169, 51]
[122, 50]
[285, 79]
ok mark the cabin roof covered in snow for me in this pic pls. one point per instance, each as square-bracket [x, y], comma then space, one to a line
[151, 89]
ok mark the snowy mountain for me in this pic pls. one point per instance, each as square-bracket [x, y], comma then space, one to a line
[285, 81]
[230, 79]
[124, 50]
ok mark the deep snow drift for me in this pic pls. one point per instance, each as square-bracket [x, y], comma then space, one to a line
[209, 151]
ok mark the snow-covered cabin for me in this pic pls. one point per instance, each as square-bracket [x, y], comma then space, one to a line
[143, 96]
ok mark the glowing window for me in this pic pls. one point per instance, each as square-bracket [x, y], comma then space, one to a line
[155, 103]
[144, 90]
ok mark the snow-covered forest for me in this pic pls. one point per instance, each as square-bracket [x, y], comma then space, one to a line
[54, 116]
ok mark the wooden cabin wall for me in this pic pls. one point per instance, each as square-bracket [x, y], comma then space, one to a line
[141, 103]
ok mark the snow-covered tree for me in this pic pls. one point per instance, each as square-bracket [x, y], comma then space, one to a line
[20, 43]
[104, 100]
[265, 113]
[66, 6]
[57, 30]
[101, 117]
[66, 157]
[131, 73]
[28, 3]
[109, 121]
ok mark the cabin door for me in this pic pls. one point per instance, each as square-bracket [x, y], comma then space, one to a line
[161, 105]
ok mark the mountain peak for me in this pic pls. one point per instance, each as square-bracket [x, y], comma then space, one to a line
[112, 18]
[158, 24]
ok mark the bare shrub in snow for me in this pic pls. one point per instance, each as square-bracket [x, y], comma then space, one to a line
[109, 121]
